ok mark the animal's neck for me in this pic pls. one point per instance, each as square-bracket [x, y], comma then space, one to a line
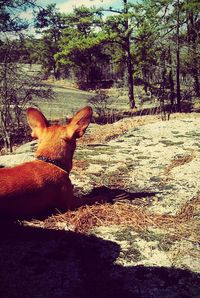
[57, 156]
[54, 162]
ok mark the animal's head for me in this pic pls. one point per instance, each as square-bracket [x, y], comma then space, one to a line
[58, 142]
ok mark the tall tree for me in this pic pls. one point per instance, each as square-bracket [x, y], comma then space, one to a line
[119, 30]
[51, 21]
[170, 22]
[178, 87]
[81, 45]
[127, 46]
[146, 51]
[192, 9]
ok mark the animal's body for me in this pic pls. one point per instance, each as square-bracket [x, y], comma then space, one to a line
[43, 184]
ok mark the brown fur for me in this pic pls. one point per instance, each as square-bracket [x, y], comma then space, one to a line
[37, 186]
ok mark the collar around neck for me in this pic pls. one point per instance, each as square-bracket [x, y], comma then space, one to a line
[52, 161]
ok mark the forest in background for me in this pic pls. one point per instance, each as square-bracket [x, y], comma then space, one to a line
[151, 43]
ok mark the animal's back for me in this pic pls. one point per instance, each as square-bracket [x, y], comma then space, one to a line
[30, 187]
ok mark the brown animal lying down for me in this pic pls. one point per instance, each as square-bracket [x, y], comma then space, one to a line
[43, 184]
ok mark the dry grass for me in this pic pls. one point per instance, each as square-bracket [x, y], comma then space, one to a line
[179, 161]
[80, 165]
[183, 225]
[104, 133]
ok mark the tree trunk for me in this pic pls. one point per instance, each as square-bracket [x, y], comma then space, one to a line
[129, 60]
[178, 87]
[163, 86]
[56, 72]
[171, 82]
[130, 82]
[195, 63]
[196, 81]
[7, 145]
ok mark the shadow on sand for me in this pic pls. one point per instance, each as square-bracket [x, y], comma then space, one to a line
[37, 262]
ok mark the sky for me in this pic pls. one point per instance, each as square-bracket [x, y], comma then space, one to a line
[66, 6]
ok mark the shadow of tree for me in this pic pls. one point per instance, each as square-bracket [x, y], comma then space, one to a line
[111, 195]
[38, 262]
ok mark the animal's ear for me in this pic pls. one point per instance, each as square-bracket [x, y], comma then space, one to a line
[79, 123]
[36, 121]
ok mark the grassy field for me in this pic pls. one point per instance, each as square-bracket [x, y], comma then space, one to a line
[68, 99]
[65, 102]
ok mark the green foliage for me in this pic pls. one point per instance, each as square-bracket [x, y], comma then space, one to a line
[153, 42]
[146, 50]
[51, 22]
[81, 46]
